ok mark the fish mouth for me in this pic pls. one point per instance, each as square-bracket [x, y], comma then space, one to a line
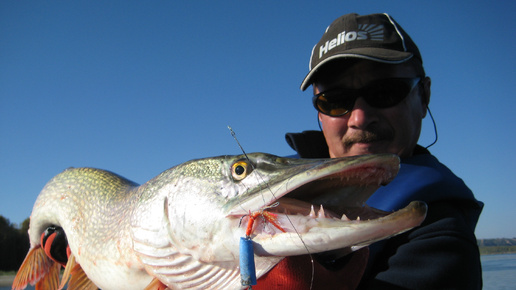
[326, 208]
[338, 196]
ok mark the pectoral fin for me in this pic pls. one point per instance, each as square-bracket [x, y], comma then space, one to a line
[156, 284]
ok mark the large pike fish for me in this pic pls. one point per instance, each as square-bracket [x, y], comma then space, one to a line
[182, 228]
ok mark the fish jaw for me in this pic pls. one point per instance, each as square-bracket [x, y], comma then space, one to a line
[315, 235]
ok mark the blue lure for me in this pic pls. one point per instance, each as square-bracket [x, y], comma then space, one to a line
[247, 267]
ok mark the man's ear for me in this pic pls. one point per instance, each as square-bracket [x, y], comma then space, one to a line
[425, 94]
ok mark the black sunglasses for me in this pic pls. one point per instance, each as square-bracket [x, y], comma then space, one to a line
[382, 93]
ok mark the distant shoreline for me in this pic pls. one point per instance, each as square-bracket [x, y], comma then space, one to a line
[6, 280]
[498, 253]
[497, 250]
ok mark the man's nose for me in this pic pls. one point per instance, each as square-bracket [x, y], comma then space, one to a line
[362, 115]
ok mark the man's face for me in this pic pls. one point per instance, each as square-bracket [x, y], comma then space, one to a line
[365, 129]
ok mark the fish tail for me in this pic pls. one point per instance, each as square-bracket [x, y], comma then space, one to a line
[68, 269]
[37, 269]
[51, 280]
[77, 277]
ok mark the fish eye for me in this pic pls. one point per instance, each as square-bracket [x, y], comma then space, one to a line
[239, 170]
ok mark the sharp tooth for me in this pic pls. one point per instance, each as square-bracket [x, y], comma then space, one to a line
[344, 217]
[320, 214]
[358, 218]
[312, 212]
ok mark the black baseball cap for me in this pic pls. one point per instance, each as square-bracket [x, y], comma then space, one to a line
[376, 37]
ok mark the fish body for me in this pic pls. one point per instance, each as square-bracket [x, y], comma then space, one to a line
[183, 227]
[94, 208]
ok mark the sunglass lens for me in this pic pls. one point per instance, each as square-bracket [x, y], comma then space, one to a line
[387, 94]
[333, 106]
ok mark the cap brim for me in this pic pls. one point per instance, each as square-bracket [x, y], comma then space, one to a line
[374, 54]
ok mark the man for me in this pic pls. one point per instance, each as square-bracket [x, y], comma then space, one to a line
[371, 94]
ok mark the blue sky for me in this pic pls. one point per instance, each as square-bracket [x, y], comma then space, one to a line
[137, 87]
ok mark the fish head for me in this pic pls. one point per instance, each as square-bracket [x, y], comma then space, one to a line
[192, 216]
[316, 203]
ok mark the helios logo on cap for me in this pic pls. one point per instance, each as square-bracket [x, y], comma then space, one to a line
[372, 32]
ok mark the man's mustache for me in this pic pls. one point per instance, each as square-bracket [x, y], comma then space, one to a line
[368, 136]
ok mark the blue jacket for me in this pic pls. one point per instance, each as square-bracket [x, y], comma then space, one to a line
[442, 253]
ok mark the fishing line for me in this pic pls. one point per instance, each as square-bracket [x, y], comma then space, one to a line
[245, 243]
[240, 146]
[248, 160]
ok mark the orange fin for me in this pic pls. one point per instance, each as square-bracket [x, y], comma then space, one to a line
[156, 284]
[37, 269]
[68, 269]
[77, 277]
[51, 279]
